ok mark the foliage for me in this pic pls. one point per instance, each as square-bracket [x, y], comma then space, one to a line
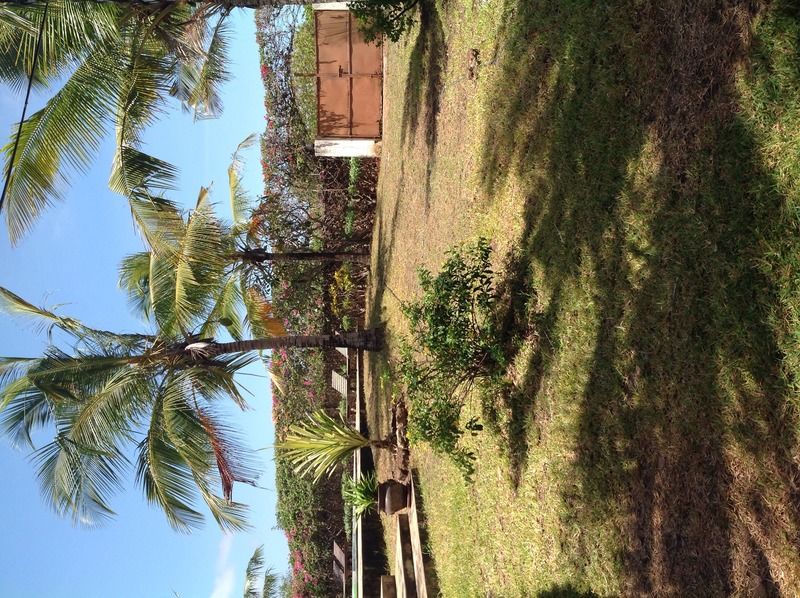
[302, 208]
[258, 582]
[453, 327]
[360, 495]
[299, 503]
[318, 445]
[341, 293]
[116, 66]
[452, 321]
[391, 18]
[347, 514]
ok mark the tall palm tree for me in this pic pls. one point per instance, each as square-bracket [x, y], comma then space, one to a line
[122, 61]
[198, 250]
[107, 391]
[102, 393]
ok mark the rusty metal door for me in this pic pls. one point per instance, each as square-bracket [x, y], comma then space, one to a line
[349, 78]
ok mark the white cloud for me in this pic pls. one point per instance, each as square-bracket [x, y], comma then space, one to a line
[225, 579]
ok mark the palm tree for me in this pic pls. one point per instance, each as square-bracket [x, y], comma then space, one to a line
[107, 392]
[268, 586]
[198, 250]
[123, 61]
[318, 445]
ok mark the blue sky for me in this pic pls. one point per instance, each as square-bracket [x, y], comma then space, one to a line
[71, 258]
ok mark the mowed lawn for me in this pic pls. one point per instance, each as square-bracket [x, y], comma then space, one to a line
[637, 168]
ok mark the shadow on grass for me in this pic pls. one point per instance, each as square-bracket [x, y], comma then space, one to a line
[519, 321]
[647, 189]
[427, 64]
[423, 91]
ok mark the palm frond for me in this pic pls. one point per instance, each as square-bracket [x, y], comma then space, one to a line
[72, 29]
[145, 73]
[12, 368]
[271, 584]
[134, 279]
[164, 472]
[361, 494]
[318, 445]
[215, 379]
[159, 221]
[138, 175]
[187, 429]
[238, 195]
[225, 311]
[260, 314]
[66, 132]
[78, 481]
[254, 568]
[25, 408]
[201, 260]
[45, 320]
[277, 380]
[109, 415]
[212, 72]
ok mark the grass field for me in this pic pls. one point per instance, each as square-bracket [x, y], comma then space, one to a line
[637, 168]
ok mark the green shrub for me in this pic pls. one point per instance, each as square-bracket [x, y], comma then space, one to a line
[454, 345]
[453, 322]
[361, 495]
[391, 18]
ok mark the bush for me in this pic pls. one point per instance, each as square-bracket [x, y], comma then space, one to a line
[391, 18]
[362, 495]
[454, 345]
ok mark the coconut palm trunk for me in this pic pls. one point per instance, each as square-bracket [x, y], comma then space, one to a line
[162, 3]
[257, 256]
[368, 340]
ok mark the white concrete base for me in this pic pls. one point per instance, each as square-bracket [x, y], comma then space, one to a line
[330, 6]
[347, 148]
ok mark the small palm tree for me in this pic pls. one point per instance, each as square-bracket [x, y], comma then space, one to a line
[318, 445]
[362, 494]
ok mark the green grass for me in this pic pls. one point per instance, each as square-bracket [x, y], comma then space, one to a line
[639, 169]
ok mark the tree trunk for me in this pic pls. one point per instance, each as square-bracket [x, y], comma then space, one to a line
[368, 340]
[161, 3]
[257, 255]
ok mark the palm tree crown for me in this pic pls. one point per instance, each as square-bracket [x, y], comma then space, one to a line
[121, 63]
[103, 393]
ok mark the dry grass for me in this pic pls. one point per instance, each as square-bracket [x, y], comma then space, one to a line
[638, 170]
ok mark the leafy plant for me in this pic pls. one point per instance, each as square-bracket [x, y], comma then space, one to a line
[452, 321]
[453, 328]
[361, 495]
[320, 444]
[391, 18]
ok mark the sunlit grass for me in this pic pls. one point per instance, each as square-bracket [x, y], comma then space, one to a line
[639, 169]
